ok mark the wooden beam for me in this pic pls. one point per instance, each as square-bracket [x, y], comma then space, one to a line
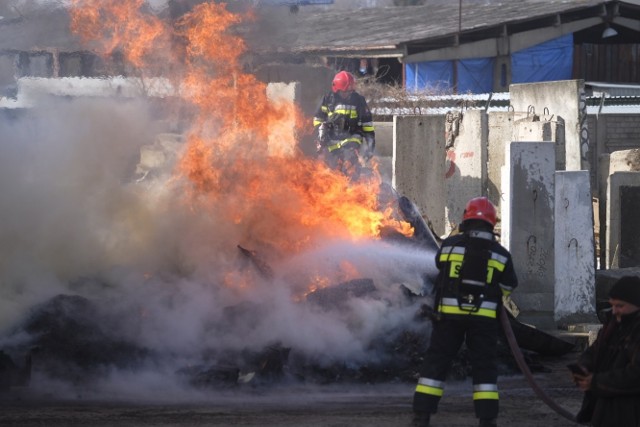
[502, 45]
[531, 38]
[632, 24]
[482, 49]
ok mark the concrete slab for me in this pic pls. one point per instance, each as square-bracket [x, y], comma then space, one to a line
[466, 174]
[500, 129]
[384, 138]
[564, 99]
[418, 164]
[573, 248]
[530, 229]
[545, 129]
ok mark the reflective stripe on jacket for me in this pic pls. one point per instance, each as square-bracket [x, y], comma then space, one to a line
[475, 272]
[352, 113]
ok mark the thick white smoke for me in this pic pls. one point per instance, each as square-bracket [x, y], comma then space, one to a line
[165, 276]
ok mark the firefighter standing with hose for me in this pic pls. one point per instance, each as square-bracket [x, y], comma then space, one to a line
[475, 271]
[345, 126]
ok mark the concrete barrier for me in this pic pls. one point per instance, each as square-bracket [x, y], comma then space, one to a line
[530, 229]
[418, 164]
[466, 168]
[563, 99]
[574, 249]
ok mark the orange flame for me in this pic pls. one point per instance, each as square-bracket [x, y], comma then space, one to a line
[345, 272]
[115, 25]
[241, 149]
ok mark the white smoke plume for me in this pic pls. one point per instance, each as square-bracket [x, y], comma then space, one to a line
[165, 274]
[75, 221]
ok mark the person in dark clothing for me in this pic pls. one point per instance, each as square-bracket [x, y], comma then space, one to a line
[344, 124]
[611, 378]
[475, 271]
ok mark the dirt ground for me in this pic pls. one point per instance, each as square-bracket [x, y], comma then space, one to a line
[376, 405]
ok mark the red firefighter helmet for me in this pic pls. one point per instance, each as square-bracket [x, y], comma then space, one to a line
[344, 80]
[480, 208]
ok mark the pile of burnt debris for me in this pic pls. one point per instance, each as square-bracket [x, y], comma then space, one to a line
[68, 339]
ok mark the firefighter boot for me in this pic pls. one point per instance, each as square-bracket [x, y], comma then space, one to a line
[421, 419]
[488, 422]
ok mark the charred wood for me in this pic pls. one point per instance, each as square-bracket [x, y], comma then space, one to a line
[261, 266]
[336, 296]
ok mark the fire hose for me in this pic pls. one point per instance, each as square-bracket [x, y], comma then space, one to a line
[522, 364]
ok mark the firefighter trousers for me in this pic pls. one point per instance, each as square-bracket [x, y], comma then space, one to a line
[481, 337]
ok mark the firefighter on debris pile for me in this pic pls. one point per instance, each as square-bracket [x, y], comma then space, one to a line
[344, 127]
[475, 271]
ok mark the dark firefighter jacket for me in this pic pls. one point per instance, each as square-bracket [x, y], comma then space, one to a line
[350, 116]
[475, 272]
[614, 359]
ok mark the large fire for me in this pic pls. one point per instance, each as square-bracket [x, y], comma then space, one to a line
[241, 154]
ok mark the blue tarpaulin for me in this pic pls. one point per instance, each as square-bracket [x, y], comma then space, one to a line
[434, 76]
[548, 61]
[475, 75]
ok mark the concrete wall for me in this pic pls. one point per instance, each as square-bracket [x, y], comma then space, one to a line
[563, 100]
[500, 129]
[418, 164]
[466, 167]
[574, 249]
[531, 167]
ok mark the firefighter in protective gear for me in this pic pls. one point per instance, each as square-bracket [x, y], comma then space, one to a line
[475, 271]
[343, 120]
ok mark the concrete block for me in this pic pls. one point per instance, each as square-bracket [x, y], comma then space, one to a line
[314, 81]
[624, 161]
[530, 228]
[500, 130]
[466, 170]
[384, 138]
[565, 99]
[418, 164]
[543, 129]
[574, 248]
